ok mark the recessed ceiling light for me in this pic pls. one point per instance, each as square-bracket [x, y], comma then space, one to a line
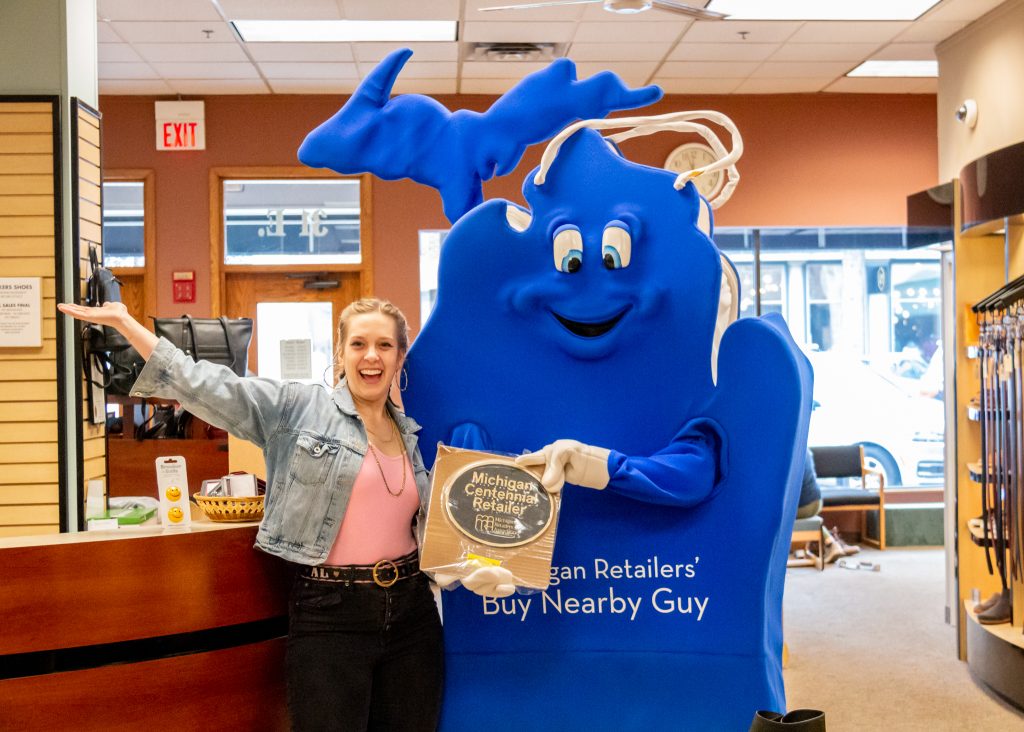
[344, 31]
[897, 68]
[822, 10]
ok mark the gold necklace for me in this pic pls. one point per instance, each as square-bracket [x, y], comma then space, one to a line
[381, 467]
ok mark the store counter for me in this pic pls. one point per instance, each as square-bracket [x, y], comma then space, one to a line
[142, 628]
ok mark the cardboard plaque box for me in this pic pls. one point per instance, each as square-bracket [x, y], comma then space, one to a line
[486, 510]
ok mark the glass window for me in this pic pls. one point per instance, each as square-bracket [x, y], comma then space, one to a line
[430, 256]
[298, 221]
[295, 341]
[773, 289]
[124, 241]
[824, 304]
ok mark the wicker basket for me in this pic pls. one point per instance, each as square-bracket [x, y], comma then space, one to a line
[230, 509]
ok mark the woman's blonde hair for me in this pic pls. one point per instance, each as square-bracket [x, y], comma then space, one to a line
[372, 305]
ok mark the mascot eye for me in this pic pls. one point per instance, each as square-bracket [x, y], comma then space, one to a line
[568, 249]
[616, 245]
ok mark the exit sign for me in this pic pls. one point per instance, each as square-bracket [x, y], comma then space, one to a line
[180, 126]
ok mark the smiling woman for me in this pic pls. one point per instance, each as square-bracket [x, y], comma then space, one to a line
[346, 487]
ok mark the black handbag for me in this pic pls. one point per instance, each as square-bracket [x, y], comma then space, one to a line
[102, 286]
[218, 340]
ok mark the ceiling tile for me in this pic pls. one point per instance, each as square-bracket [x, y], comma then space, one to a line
[848, 32]
[541, 15]
[127, 71]
[698, 86]
[206, 71]
[824, 52]
[905, 52]
[177, 10]
[782, 86]
[633, 31]
[218, 86]
[729, 31]
[596, 12]
[174, 32]
[425, 86]
[486, 86]
[134, 86]
[117, 53]
[867, 85]
[292, 52]
[618, 51]
[516, 32]
[191, 52]
[438, 51]
[400, 9]
[309, 71]
[797, 70]
[706, 69]
[925, 31]
[500, 69]
[311, 86]
[105, 34]
[962, 10]
[634, 73]
[423, 70]
[687, 51]
[276, 10]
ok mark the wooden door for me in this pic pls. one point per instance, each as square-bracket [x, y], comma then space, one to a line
[244, 290]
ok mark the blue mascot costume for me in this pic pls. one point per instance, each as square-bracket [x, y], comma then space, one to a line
[584, 328]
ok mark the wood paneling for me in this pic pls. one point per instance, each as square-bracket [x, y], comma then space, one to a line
[233, 689]
[28, 376]
[133, 469]
[133, 588]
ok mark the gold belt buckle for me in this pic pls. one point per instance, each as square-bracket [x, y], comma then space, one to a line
[385, 563]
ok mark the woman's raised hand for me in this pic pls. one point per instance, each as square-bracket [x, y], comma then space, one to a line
[116, 315]
[113, 314]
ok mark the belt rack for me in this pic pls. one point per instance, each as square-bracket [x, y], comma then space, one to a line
[1000, 319]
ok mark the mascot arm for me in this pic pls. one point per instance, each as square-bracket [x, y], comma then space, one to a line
[682, 474]
[470, 436]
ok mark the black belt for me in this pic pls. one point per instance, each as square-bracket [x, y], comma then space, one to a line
[384, 573]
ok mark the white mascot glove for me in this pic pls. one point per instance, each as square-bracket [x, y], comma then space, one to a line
[486, 581]
[570, 461]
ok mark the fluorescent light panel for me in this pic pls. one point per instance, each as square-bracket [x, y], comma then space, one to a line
[897, 68]
[344, 31]
[822, 9]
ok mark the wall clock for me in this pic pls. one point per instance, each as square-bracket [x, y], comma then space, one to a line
[691, 155]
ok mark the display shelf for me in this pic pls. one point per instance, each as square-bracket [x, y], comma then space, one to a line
[977, 535]
[995, 655]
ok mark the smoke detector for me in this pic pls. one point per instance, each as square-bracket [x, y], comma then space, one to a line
[515, 51]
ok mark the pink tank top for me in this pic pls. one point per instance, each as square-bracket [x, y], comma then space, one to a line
[377, 525]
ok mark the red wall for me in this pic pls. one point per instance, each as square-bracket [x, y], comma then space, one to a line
[810, 160]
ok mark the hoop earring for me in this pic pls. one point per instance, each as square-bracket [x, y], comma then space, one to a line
[406, 375]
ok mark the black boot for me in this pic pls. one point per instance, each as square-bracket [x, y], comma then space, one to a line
[799, 720]
[998, 612]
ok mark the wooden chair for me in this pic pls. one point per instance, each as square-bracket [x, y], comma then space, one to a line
[806, 530]
[847, 461]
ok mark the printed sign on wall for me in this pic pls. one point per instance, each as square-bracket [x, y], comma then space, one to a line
[21, 319]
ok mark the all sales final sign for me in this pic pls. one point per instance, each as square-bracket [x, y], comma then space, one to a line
[180, 126]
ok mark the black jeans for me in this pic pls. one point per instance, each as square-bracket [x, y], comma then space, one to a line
[363, 657]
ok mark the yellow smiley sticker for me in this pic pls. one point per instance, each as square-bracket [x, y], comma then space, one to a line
[173, 493]
[175, 515]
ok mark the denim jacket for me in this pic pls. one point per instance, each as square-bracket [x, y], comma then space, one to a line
[313, 441]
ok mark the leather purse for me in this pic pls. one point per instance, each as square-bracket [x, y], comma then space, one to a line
[218, 340]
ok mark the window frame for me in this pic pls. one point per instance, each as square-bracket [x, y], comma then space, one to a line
[218, 269]
[148, 271]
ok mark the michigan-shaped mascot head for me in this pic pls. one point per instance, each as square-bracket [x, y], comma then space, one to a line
[586, 329]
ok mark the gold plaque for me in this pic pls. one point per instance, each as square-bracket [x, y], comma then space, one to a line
[486, 510]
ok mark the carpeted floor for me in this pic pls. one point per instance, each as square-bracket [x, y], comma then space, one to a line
[872, 650]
